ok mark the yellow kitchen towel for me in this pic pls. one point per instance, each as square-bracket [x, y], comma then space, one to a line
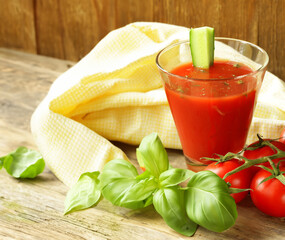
[115, 93]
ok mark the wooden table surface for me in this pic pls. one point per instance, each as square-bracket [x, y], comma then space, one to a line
[33, 209]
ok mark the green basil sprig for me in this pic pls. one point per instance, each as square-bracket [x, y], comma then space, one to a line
[23, 163]
[84, 194]
[205, 201]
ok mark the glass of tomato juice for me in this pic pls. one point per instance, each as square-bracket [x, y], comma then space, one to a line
[212, 108]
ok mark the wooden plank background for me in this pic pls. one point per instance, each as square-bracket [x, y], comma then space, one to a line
[69, 29]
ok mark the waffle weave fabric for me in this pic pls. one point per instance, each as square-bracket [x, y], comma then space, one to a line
[115, 93]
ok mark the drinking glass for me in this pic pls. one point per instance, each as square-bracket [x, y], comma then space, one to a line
[212, 116]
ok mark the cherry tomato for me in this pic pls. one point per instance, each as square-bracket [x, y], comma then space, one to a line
[240, 179]
[282, 136]
[268, 197]
[263, 152]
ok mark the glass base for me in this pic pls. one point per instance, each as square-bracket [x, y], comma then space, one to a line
[194, 165]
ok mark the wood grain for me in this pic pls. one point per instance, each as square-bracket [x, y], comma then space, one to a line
[17, 29]
[32, 209]
[271, 35]
[69, 29]
[239, 20]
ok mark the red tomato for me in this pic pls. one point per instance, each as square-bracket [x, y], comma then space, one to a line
[282, 136]
[268, 197]
[263, 152]
[238, 180]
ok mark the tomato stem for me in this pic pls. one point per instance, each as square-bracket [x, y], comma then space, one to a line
[251, 162]
[281, 178]
[276, 171]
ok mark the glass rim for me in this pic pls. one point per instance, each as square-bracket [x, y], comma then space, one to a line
[263, 66]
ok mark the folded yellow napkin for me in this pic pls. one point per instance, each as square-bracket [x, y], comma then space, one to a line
[115, 93]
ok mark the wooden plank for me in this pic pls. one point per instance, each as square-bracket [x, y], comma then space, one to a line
[70, 29]
[49, 29]
[32, 209]
[42, 62]
[17, 25]
[278, 65]
[272, 35]
[239, 19]
[20, 73]
[194, 13]
[129, 11]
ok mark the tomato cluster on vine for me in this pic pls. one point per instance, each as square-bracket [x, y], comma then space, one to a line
[259, 170]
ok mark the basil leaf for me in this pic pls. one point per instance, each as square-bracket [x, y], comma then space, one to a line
[149, 200]
[117, 169]
[84, 194]
[114, 192]
[127, 193]
[2, 161]
[140, 161]
[174, 176]
[169, 203]
[24, 163]
[208, 202]
[152, 153]
[121, 187]
[140, 190]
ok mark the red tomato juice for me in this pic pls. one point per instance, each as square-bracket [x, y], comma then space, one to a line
[211, 116]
